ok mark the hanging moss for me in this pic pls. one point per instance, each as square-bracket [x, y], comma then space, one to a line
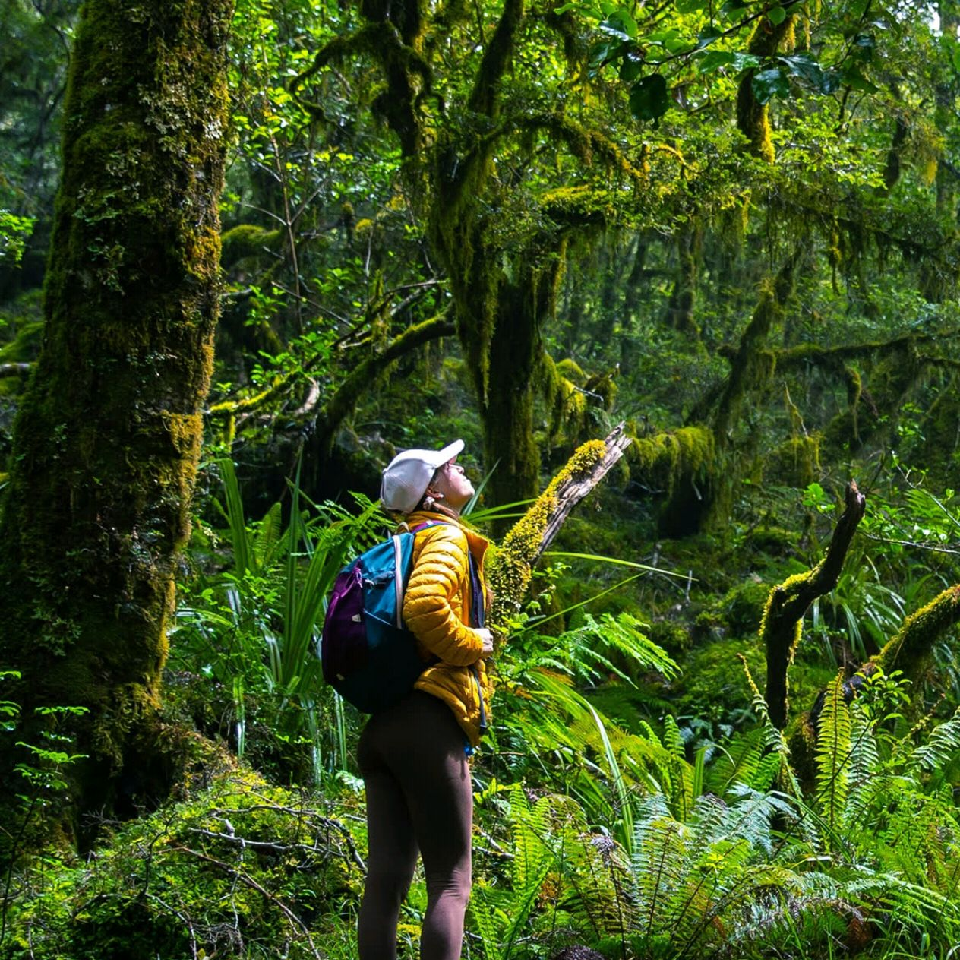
[794, 463]
[682, 464]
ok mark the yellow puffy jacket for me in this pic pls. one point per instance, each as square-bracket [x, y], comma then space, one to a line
[436, 608]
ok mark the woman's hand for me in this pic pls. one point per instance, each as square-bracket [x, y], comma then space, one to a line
[487, 638]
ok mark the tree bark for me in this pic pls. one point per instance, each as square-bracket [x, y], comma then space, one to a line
[108, 436]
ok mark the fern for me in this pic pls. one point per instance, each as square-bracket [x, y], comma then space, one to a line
[940, 748]
[833, 754]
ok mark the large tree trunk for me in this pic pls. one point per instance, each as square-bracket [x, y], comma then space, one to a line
[108, 436]
[515, 372]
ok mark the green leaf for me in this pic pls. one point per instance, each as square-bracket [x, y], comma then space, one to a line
[715, 59]
[776, 15]
[853, 77]
[864, 46]
[768, 84]
[648, 98]
[805, 68]
[620, 25]
[707, 36]
[630, 68]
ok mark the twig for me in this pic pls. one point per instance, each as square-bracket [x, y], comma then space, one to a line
[250, 882]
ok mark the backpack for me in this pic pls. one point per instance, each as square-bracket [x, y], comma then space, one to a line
[368, 656]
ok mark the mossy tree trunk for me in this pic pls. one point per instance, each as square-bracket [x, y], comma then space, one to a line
[502, 280]
[790, 600]
[108, 436]
[753, 116]
[516, 355]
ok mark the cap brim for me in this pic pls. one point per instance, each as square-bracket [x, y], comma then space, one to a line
[450, 451]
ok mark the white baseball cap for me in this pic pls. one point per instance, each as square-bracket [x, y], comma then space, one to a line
[409, 473]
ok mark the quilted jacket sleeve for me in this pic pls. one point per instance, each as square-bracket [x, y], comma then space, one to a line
[435, 603]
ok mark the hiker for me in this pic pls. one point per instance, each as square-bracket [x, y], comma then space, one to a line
[413, 756]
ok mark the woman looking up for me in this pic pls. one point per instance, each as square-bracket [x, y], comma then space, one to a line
[413, 756]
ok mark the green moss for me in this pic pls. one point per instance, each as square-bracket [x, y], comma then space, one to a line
[795, 463]
[247, 240]
[231, 870]
[25, 345]
[673, 637]
[510, 565]
[682, 464]
[713, 686]
[570, 370]
[108, 435]
[771, 540]
[743, 607]
[920, 631]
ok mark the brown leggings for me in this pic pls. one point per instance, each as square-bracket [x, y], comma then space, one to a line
[419, 796]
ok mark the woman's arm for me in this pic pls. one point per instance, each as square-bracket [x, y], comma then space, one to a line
[435, 592]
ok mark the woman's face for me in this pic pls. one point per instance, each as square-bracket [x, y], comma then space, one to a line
[452, 484]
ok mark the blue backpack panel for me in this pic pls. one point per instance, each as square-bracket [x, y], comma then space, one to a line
[368, 656]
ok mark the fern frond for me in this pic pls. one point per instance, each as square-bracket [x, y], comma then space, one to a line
[267, 542]
[833, 754]
[738, 762]
[772, 737]
[864, 766]
[658, 868]
[942, 745]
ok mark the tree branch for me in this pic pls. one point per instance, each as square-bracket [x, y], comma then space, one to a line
[920, 632]
[359, 381]
[585, 143]
[788, 602]
[485, 96]
[526, 541]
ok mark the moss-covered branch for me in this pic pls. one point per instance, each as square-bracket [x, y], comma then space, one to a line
[808, 354]
[753, 116]
[380, 41]
[359, 381]
[341, 404]
[587, 144]
[407, 74]
[920, 631]
[788, 602]
[524, 544]
[485, 95]
[752, 367]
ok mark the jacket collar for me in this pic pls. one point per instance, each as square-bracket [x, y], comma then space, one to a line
[478, 543]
